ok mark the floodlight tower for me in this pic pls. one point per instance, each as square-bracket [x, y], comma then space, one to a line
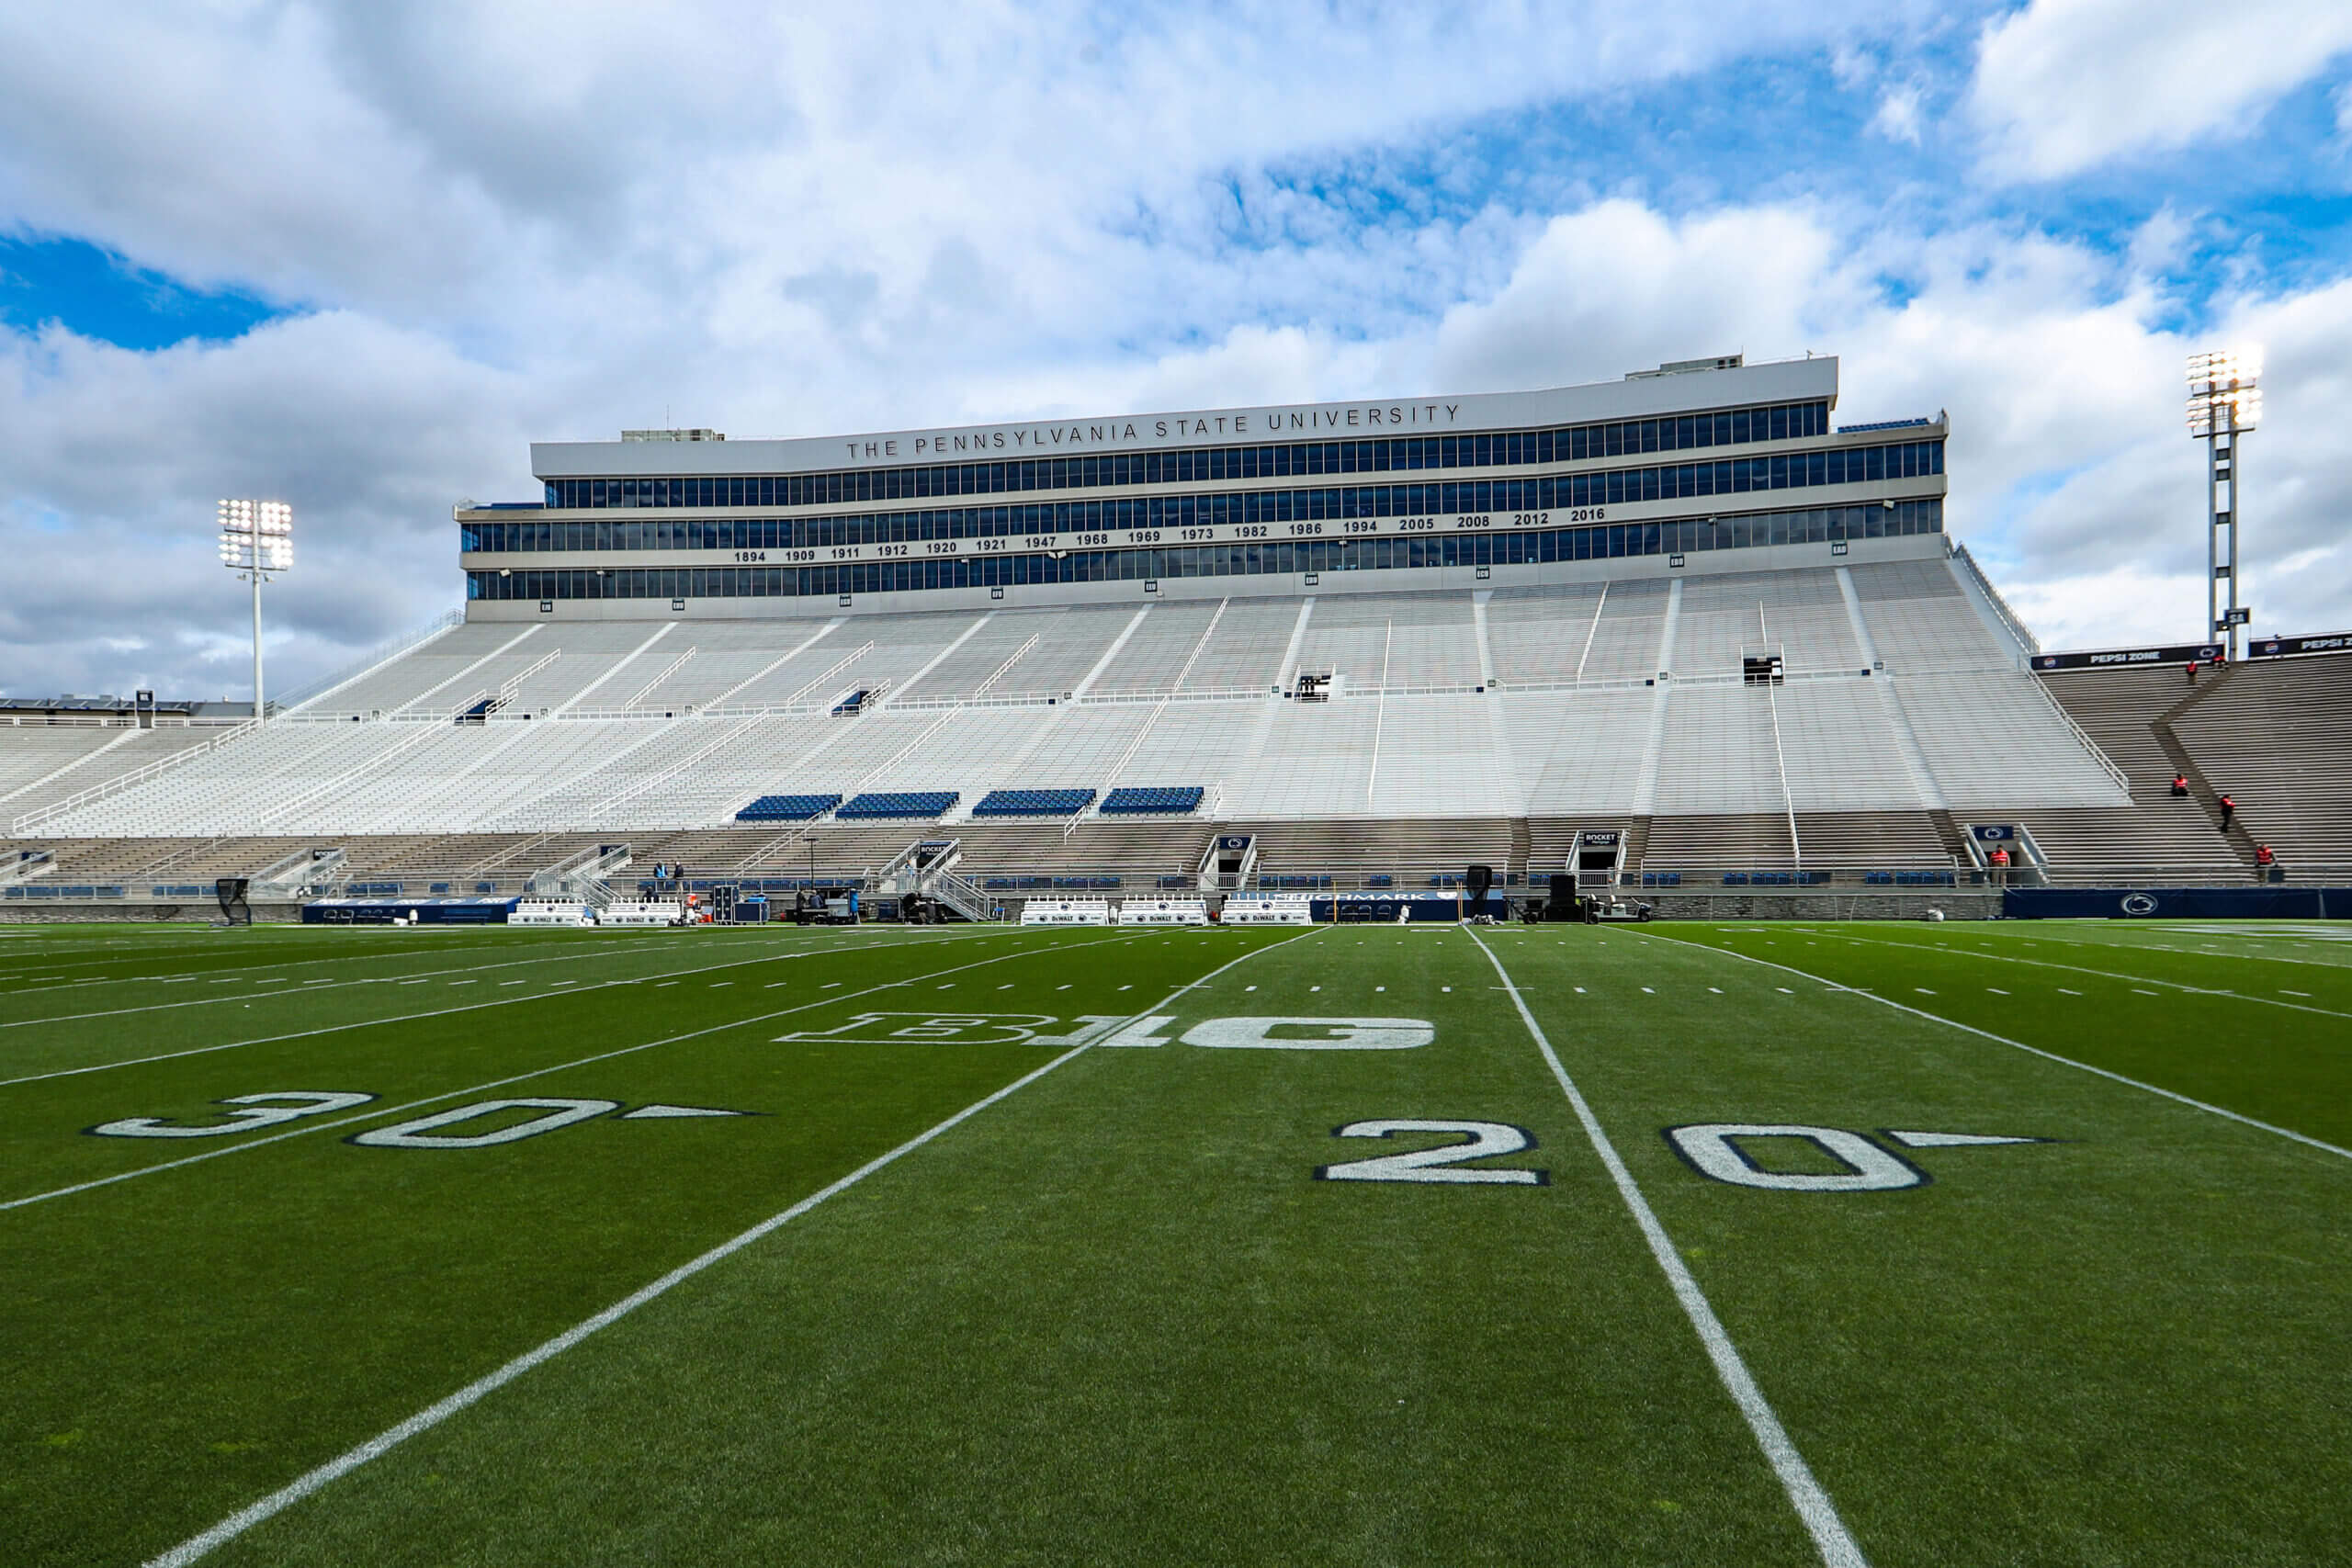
[2224, 403]
[256, 540]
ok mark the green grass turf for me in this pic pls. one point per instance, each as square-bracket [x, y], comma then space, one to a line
[1114, 1317]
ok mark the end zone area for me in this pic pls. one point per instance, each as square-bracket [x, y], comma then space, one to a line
[1298, 1253]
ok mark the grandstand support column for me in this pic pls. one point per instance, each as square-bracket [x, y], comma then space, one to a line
[259, 709]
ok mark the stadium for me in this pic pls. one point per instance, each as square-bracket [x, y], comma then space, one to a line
[1520, 975]
[1684, 615]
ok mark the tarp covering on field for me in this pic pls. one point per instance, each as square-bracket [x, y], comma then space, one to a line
[1380, 909]
[2273, 903]
[424, 911]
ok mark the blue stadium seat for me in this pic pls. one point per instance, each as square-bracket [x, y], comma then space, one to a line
[788, 807]
[1033, 803]
[907, 803]
[1152, 800]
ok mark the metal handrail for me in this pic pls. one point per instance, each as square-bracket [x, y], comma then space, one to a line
[1993, 595]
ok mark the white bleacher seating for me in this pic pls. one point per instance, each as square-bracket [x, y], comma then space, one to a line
[1149, 693]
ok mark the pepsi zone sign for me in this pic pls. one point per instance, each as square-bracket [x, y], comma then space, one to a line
[2115, 657]
[2287, 647]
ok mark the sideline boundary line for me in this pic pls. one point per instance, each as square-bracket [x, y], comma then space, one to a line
[578, 951]
[375, 1112]
[2175, 1096]
[237, 970]
[444, 1012]
[2102, 974]
[432, 1415]
[1818, 1514]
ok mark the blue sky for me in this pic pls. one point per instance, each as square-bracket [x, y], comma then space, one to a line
[447, 230]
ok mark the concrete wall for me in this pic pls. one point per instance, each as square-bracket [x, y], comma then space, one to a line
[122, 911]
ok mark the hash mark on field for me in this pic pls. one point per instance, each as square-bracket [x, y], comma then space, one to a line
[461, 982]
[1061, 987]
[658, 985]
[1922, 990]
[1441, 988]
[715, 984]
[2065, 992]
[1249, 987]
[829, 985]
[501, 982]
[771, 985]
[1006, 987]
[1579, 989]
[1648, 992]
[1997, 991]
[1784, 990]
[1717, 989]
[2138, 992]
[2288, 993]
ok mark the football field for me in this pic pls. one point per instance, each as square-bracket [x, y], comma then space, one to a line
[1720, 1243]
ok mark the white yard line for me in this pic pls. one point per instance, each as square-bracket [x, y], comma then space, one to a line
[374, 1111]
[772, 957]
[1830, 1536]
[2020, 1045]
[432, 1415]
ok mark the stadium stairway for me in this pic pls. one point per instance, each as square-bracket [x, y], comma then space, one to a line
[2121, 710]
[2290, 786]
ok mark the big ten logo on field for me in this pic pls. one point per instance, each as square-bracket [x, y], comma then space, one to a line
[958, 1029]
[1284, 1034]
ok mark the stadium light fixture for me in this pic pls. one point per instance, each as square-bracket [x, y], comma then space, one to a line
[256, 540]
[2224, 403]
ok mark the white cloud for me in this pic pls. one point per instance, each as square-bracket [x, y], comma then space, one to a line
[2063, 85]
[552, 224]
[1899, 116]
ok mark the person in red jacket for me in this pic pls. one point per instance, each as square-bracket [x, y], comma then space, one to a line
[2264, 862]
[2000, 862]
[2192, 672]
[2229, 810]
[2181, 786]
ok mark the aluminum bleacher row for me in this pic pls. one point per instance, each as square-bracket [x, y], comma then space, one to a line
[1469, 725]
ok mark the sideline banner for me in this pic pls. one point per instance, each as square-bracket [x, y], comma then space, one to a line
[2269, 903]
[2288, 647]
[2111, 658]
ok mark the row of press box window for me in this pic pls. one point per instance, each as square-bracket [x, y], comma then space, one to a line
[1566, 493]
[1157, 800]
[1567, 444]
